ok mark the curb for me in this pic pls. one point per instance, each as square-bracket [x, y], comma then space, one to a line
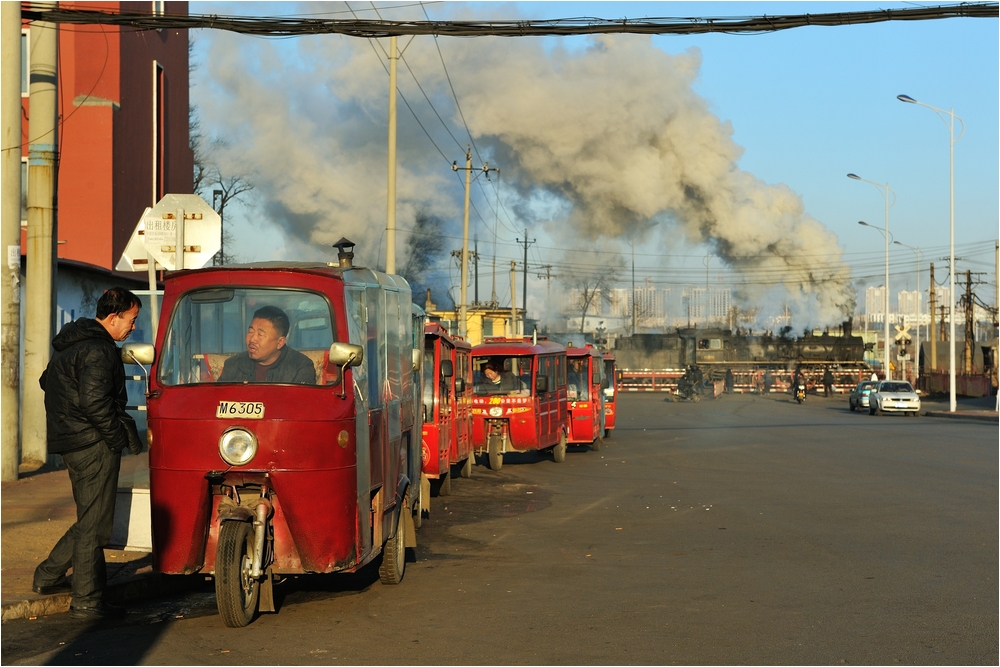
[982, 415]
[141, 586]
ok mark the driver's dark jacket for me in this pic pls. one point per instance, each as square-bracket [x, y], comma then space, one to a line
[84, 387]
[292, 367]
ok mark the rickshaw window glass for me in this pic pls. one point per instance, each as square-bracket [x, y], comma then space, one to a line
[375, 348]
[578, 387]
[393, 342]
[207, 339]
[354, 299]
[513, 379]
[561, 371]
[429, 380]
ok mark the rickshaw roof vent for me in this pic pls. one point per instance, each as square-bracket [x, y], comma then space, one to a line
[345, 252]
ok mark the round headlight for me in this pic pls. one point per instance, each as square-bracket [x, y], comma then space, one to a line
[237, 446]
[496, 412]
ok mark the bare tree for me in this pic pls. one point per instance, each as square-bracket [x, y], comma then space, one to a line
[592, 285]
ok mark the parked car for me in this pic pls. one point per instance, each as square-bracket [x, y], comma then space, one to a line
[859, 397]
[893, 396]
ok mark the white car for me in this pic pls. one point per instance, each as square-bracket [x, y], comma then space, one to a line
[893, 396]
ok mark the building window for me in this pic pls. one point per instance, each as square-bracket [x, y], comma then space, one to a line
[159, 127]
[24, 191]
[25, 68]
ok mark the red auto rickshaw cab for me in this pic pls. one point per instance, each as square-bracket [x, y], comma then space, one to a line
[447, 409]
[585, 392]
[281, 426]
[519, 397]
[610, 393]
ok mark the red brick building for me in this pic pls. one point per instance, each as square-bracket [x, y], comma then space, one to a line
[123, 129]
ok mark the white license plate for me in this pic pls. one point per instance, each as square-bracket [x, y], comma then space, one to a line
[240, 410]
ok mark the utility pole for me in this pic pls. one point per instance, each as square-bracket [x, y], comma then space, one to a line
[463, 308]
[548, 284]
[524, 275]
[475, 258]
[513, 299]
[42, 233]
[390, 218]
[932, 334]
[10, 400]
[969, 325]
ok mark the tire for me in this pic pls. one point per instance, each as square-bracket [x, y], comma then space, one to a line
[878, 411]
[596, 446]
[607, 433]
[871, 410]
[467, 466]
[916, 414]
[393, 565]
[495, 452]
[236, 594]
[696, 398]
[559, 451]
[445, 488]
[853, 407]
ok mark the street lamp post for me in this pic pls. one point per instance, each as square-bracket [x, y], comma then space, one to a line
[951, 255]
[885, 300]
[885, 190]
[916, 362]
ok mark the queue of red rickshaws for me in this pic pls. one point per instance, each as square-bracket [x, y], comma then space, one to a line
[298, 411]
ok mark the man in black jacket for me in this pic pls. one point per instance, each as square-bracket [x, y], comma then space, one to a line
[268, 358]
[87, 424]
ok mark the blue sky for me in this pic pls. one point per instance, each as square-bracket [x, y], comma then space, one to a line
[806, 106]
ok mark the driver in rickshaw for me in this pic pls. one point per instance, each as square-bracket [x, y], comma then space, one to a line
[268, 357]
[496, 380]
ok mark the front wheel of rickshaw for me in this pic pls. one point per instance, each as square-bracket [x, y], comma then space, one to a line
[467, 466]
[393, 556]
[607, 433]
[418, 507]
[495, 451]
[236, 592]
[559, 451]
[596, 446]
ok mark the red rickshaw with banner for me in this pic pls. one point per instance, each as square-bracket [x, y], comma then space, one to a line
[281, 426]
[610, 393]
[519, 397]
[447, 406]
[585, 384]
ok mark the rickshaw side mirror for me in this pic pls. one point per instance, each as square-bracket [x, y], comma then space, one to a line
[542, 384]
[143, 354]
[345, 354]
[447, 369]
[418, 359]
[459, 385]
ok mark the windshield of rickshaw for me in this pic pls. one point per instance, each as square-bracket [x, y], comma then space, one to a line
[501, 376]
[578, 378]
[248, 335]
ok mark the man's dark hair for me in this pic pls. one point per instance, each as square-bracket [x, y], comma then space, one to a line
[116, 300]
[275, 316]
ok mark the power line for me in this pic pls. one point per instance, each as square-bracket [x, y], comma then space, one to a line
[274, 26]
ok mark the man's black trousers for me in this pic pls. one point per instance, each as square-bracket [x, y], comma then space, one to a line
[93, 472]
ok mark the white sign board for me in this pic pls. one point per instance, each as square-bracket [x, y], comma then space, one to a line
[156, 234]
[902, 332]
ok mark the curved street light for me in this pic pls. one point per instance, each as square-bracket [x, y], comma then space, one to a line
[941, 113]
[885, 190]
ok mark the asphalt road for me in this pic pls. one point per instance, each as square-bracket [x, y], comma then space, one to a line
[745, 530]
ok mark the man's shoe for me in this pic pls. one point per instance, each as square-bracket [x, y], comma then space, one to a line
[100, 610]
[61, 585]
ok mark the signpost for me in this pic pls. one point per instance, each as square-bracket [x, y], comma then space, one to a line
[902, 343]
[180, 232]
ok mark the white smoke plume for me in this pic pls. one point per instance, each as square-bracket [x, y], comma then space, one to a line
[614, 130]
